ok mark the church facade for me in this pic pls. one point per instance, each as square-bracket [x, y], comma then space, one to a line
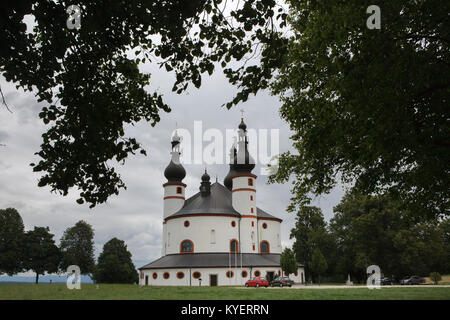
[218, 236]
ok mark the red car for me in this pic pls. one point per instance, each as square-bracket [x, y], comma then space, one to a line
[257, 282]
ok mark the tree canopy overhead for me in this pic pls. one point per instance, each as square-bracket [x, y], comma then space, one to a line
[93, 85]
[366, 106]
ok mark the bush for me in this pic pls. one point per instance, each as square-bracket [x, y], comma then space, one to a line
[435, 277]
[269, 276]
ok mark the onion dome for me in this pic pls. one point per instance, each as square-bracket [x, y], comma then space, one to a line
[174, 172]
[228, 181]
[244, 162]
[205, 185]
[205, 177]
[242, 125]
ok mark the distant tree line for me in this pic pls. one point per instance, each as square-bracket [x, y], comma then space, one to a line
[36, 250]
[367, 230]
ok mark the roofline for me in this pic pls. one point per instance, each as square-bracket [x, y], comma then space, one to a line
[206, 253]
[221, 215]
[207, 267]
[203, 215]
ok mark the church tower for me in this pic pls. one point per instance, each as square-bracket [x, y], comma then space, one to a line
[174, 188]
[244, 192]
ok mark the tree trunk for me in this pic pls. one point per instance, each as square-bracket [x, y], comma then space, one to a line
[37, 278]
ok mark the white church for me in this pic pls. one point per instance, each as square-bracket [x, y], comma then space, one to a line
[217, 237]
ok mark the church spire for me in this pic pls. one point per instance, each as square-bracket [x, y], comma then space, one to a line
[175, 172]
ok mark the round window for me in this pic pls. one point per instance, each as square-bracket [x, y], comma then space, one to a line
[233, 223]
[196, 275]
[244, 274]
[230, 274]
[186, 223]
[257, 273]
[155, 275]
[180, 275]
[264, 225]
[166, 275]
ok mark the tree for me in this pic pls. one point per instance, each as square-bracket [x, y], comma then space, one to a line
[353, 123]
[318, 263]
[93, 86]
[435, 277]
[310, 232]
[115, 265]
[288, 262]
[77, 247]
[41, 253]
[11, 241]
[378, 230]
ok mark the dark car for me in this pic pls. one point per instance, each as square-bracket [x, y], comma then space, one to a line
[257, 282]
[282, 282]
[386, 281]
[412, 280]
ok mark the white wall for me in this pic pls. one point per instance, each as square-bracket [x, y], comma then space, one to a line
[199, 232]
[271, 234]
[223, 280]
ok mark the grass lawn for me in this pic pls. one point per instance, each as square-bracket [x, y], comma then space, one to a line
[124, 292]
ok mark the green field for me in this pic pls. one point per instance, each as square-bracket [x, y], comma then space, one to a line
[124, 292]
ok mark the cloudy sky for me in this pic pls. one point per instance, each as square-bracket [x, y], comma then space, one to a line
[135, 216]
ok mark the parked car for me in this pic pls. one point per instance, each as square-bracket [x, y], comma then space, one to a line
[412, 280]
[386, 281]
[282, 282]
[257, 282]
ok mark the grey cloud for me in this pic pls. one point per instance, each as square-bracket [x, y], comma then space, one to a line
[135, 216]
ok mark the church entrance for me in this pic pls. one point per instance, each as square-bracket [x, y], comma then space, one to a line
[146, 280]
[213, 280]
[270, 274]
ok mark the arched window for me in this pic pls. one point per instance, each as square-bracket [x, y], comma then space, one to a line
[180, 275]
[264, 247]
[196, 275]
[234, 247]
[186, 246]
[179, 190]
[250, 181]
